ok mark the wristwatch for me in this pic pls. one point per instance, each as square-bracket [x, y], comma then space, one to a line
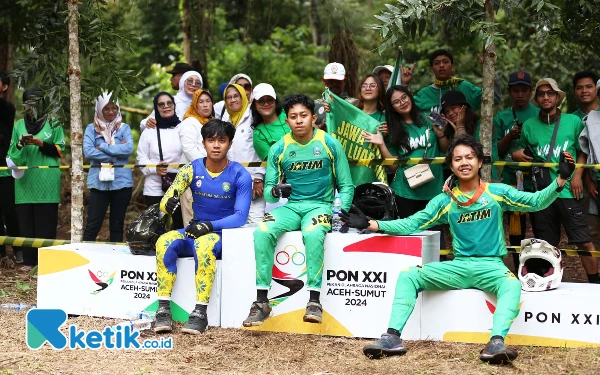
[258, 181]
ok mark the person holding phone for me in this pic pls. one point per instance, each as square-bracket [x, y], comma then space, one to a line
[507, 127]
[37, 140]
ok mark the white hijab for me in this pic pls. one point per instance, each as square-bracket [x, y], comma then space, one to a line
[103, 127]
[183, 100]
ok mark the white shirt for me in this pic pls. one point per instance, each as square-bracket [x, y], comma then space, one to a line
[147, 153]
[242, 149]
[190, 137]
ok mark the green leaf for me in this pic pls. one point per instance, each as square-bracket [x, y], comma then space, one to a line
[413, 30]
[540, 5]
[422, 25]
[382, 18]
[393, 8]
[385, 31]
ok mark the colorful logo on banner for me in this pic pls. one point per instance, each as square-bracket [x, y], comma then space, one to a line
[289, 259]
[103, 284]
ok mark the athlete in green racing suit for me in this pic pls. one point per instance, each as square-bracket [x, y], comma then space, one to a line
[474, 210]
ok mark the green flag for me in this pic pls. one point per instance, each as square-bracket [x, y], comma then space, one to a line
[396, 78]
[346, 123]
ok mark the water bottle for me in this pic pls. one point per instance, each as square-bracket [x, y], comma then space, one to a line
[146, 315]
[134, 325]
[15, 307]
[336, 221]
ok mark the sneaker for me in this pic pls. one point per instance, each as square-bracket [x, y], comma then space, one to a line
[387, 345]
[314, 313]
[19, 257]
[495, 352]
[196, 324]
[163, 321]
[259, 312]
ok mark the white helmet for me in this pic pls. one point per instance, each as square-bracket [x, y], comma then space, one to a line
[540, 265]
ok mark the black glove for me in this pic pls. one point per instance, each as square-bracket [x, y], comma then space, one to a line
[281, 190]
[172, 203]
[355, 218]
[566, 166]
[198, 229]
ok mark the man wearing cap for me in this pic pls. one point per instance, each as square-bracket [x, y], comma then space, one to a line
[585, 90]
[507, 128]
[385, 73]
[177, 72]
[568, 210]
[334, 78]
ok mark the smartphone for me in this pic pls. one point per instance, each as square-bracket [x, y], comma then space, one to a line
[528, 151]
[27, 136]
[437, 120]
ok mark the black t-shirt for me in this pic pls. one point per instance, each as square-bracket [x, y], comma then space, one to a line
[7, 122]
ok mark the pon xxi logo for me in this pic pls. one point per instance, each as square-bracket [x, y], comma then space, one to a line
[103, 284]
[44, 325]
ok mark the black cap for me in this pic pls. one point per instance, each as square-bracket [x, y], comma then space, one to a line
[519, 78]
[453, 97]
[180, 68]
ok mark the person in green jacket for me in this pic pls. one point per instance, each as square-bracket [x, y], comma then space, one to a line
[568, 210]
[507, 128]
[37, 141]
[473, 209]
[268, 119]
[312, 163]
[429, 98]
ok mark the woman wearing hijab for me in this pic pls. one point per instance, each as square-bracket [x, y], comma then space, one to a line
[239, 79]
[197, 114]
[107, 141]
[188, 84]
[237, 111]
[36, 141]
[161, 146]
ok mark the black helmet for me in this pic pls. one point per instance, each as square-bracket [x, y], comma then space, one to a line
[376, 200]
[144, 231]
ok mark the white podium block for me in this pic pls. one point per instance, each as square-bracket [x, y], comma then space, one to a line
[359, 280]
[107, 280]
[565, 317]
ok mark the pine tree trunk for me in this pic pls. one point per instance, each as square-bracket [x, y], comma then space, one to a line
[487, 102]
[187, 30]
[315, 22]
[74, 72]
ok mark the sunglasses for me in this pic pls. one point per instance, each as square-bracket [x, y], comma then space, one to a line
[167, 104]
[266, 101]
[246, 86]
[193, 83]
[550, 93]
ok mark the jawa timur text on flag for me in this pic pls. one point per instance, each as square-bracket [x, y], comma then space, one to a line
[346, 123]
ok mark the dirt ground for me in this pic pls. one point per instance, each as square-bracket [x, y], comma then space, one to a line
[232, 351]
[237, 351]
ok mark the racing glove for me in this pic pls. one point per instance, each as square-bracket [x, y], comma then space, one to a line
[281, 190]
[198, 229]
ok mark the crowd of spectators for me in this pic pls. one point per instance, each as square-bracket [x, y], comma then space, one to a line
[412, 124]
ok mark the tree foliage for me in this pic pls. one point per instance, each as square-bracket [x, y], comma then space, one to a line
[46, 61]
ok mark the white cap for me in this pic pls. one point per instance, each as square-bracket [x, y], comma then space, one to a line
[334, 71]
[16, 173]
[263, 89]
[383, 67]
